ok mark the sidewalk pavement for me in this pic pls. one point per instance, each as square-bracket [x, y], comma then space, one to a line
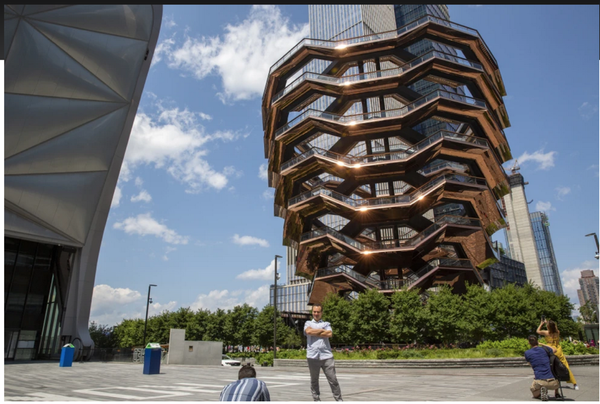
[111, 381]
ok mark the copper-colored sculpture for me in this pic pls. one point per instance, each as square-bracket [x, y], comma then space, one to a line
[368, 200]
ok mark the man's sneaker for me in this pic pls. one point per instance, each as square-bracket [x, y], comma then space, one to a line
[576, 387]
[544, 394]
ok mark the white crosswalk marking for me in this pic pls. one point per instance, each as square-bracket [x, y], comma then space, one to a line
[162, 393]
[43, 397]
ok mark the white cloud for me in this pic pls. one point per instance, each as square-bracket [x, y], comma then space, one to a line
[269, 194]
[255, 43]
[163, 48]
[111, 305]
[224, 299]
[167, 251]
[562, 191]
[595, 168]
[145, 225]
[262, 172]
[169, 22]
[116, 200]
[108, 304]
[265, 274]
[142, 196]
[544, 207]
[587, 110]
[249, 240]
[545, 160]
[173, 140]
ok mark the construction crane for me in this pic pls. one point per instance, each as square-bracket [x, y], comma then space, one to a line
[515, 167]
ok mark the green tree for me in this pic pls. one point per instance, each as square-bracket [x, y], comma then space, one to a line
[129, 333]
[240, 324]
[215, 324]
[102, 335]
[263, 330]
[477, 314]
[337, 310]
[370, 317]
[159, 327]
[197, 329]
[408, 316]
[589, 312]
[444, 312]
[510, 308]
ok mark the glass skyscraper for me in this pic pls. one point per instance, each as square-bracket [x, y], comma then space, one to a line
[406, 13]
[543, 243]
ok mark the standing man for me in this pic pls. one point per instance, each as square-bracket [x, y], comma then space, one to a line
[543, 379]
[319, 355]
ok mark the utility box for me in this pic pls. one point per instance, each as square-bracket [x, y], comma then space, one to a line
[152, 357]
[66, 356]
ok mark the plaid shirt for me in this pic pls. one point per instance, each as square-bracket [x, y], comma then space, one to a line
[247, 389]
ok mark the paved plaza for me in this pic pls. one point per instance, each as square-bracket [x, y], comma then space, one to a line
[111, 381]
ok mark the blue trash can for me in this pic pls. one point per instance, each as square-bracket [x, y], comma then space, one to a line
[152, 357]
[66, 356]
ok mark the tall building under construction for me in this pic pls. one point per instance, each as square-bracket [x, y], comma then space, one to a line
[371, 197]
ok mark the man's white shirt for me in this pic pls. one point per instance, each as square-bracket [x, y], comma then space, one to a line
[317, 347]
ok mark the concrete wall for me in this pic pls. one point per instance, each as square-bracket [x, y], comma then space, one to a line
[182, 352]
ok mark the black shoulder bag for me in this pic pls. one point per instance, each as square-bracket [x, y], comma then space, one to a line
[559, 370]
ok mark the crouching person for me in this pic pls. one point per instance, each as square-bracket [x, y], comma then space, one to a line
[246, 388]
[543, 379]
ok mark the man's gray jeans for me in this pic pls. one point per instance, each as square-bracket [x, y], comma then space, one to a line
[328, 366]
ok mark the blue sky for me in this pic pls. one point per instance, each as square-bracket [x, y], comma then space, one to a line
[193, 213]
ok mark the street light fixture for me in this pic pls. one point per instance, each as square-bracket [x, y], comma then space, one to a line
[146, 322]
[597, 247]
[275, 277]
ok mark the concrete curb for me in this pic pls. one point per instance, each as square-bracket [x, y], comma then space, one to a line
[574, 360]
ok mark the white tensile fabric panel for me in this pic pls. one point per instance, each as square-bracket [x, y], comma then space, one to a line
[16, 224]
[9, 31]
[131, 21]
[90, 147]
[17, 7]
[113, 59]
[34, 120]
[32, 9]
[9, 13]
[65, 201]
[46, 70]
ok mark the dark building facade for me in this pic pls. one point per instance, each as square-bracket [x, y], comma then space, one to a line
[504, 272]
[380, 204]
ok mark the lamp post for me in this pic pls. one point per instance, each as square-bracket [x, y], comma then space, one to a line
[597, 247]
[146, 322]
[275, 277]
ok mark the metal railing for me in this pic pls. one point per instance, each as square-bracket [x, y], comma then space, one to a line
[391, 284]
[391, 244]
[438, 262]
[346, 269]
[390, 113]
[395, 71]
[351, 160]
[343, 43]
[386, 200]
